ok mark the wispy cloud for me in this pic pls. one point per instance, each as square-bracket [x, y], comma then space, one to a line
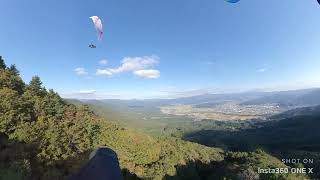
[91, 91]
[139, 66]
[262, 70]
[147, 73]
[90, 94]
[80, 71]
[103, 72]
[103, 62]
[173, 92]
[209, 63]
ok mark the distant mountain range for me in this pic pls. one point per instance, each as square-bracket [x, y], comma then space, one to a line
[291, 99]
[305, 97]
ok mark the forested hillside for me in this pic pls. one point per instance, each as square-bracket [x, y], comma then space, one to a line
[294, 134]
[44, 137]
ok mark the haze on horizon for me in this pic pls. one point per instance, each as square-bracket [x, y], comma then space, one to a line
[164, 49]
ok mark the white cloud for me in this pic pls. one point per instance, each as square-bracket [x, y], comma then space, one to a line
[80, 71]
[209, 63]
[82, 94]
[90, 94]
[135, 65]
[147, 73]
[103, 62]
[262, 70]
[87, 91]
[103, 72]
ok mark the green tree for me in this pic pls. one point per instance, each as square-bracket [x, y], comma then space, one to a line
[13, 110]
[35, 88]
[51, 105]
[2, 64]
[13, 69]
[11, 80]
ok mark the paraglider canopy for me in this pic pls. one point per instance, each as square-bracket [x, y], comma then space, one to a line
[98, 26]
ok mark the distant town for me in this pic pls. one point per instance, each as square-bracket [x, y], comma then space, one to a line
[224, 111]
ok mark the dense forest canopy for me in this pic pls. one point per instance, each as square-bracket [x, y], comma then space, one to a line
[44, 137]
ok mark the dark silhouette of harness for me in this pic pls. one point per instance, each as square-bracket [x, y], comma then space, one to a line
[92, 46]
[103, 165]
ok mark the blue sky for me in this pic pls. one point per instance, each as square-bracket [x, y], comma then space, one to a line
[163, 48]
